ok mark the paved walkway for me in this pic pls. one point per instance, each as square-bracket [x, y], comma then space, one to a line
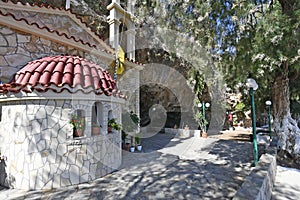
[168, 168]
[287, 184]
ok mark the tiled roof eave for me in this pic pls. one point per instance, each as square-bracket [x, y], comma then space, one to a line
[79, 95]
[61, 74]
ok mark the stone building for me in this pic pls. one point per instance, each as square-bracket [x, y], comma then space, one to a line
[53, 67]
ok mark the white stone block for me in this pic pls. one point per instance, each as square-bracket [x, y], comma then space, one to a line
[48, 185]
[63, 164]
[17, 59]
[37, 161]
[72, 156]
[54, 143]
[32, 148]
[84, 178]
[41, 113]
[61, 137]
[36, 127]
[41, 145]
[54, 168]
[12, 40]
[79, 160]
[86, 167]
[49, 109]
[65, 175]
[61, 149]
[65, 182]
[74, 174]
[23, 38]
[20, 162]
[25, 184]
[56, 181]
[93, 168]
[3, 41]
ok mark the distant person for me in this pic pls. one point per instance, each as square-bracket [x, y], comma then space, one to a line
[230, 120]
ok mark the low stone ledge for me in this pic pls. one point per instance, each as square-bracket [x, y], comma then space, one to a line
[259, 184]
[182, 133]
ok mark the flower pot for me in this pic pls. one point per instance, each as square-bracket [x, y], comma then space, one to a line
[126, 146]
[78, 133]
[109, 129]
[139, 147]
[95, 130]
[204, 134]
[132, 149]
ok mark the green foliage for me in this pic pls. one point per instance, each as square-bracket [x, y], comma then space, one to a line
[239, 106]
[114, 125]
[130, 121]
[137, 139]
[200, 119]
[77, 122]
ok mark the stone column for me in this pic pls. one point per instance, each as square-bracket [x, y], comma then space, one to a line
[131, 44]
[114, 25]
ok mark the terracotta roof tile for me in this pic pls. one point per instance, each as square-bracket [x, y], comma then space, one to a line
[58, 73]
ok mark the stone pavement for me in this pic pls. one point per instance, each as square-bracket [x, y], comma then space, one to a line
[168, 168]
[287, 184]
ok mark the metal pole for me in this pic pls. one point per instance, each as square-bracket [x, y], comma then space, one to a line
[203, 113]
[269, 118]
[254, 127]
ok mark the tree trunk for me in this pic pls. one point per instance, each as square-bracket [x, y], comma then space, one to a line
[285, 126]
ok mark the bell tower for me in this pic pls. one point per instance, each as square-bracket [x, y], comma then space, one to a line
[121, 27]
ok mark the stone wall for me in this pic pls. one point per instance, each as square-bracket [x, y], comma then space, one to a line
[259, 184]
[42, 153]
[18, 48]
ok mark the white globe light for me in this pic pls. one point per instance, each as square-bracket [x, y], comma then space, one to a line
[268, 103]
[251, 83]
[207, 105]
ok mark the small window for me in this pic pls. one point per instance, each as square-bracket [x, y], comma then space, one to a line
[78, 122]
[97, 118]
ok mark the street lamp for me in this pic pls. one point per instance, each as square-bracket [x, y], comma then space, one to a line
[269, 103]
[251, 83]
[204, 105]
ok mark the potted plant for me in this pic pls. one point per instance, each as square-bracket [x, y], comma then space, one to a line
[138, 142]
[78, 124]
[95, 129]
[200, 119]
[130, 121]
[132, 148]
[112, 124]
[125, 145]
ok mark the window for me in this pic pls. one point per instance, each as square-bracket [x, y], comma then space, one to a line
[78, 122]
[97, 118]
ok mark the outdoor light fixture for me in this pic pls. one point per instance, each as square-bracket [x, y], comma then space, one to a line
[204, 105]
[269, 103]
[252, 85]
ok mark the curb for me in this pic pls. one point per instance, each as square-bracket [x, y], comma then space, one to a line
[259, 184]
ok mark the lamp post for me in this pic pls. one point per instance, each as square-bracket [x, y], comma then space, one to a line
[204, 105]
[269, 103]
[251, 83]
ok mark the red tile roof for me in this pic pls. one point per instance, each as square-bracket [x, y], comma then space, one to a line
[59, 73]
